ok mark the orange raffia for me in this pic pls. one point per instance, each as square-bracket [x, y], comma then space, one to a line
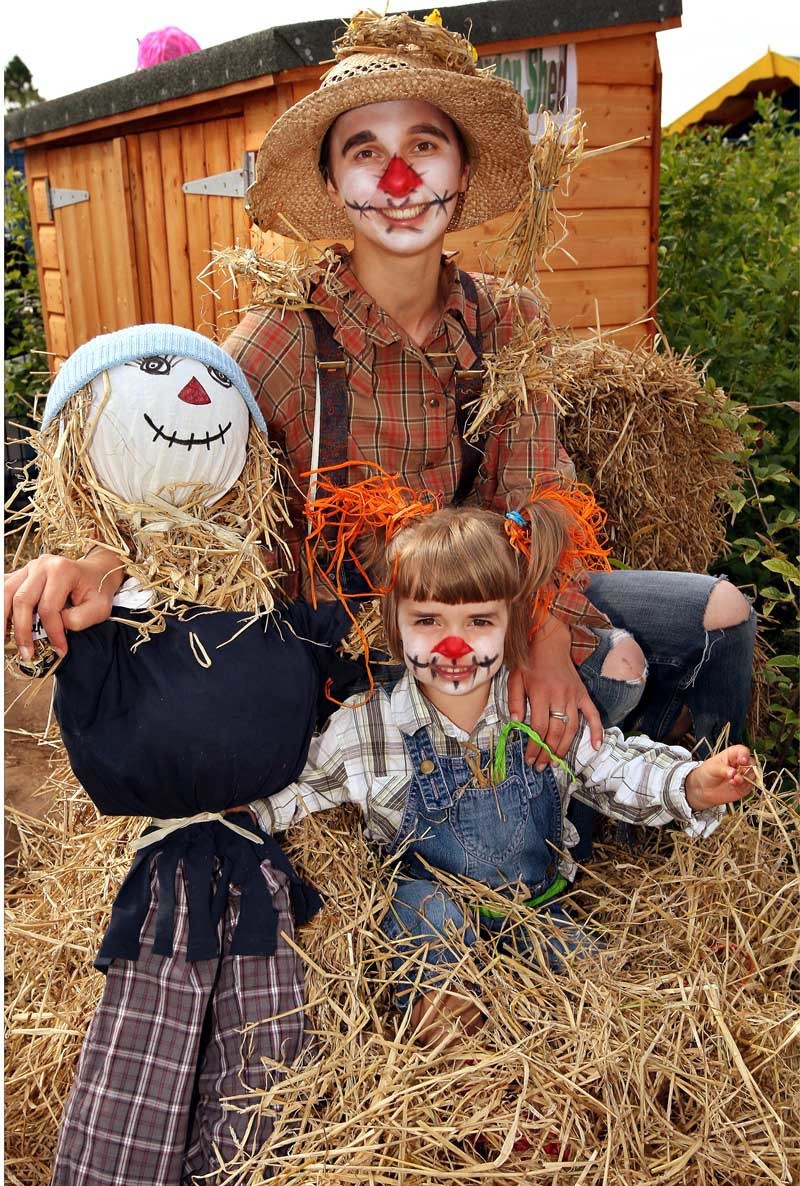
[584, 552]
[342, 517]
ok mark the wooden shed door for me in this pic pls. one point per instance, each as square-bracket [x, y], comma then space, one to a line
[97, 263]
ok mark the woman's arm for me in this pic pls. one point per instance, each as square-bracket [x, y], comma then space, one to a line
[66, 594]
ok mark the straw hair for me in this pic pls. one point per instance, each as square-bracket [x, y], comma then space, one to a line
[463, 555]
[380, 59]
[227, 556]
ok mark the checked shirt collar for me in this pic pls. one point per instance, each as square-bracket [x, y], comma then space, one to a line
[358, 322]
[411, 711]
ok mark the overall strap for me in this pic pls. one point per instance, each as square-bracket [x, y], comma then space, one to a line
[469, 385]
[331, 425]
[435, 789]
[331, 411]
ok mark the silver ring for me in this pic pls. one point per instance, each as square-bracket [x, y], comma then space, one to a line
[560, 716]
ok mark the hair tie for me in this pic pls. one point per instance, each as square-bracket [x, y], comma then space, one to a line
[517, 518]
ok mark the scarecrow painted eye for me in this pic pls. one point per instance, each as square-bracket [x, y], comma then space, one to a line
[223, 380]
[156, 364]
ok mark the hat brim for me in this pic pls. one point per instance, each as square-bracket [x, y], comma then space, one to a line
[289, 194]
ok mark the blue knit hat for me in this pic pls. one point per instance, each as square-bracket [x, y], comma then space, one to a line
[139, 341]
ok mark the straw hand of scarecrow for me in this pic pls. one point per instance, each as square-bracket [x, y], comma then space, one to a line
[66, 594]
[725, 777]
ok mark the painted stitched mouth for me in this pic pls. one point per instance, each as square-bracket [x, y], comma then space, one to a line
[403, 213]
[173, 438]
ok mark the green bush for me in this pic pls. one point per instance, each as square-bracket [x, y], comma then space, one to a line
[728, 275]
[25, 364]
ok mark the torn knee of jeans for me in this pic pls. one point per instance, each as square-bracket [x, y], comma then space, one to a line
[725, 607]
[625, 660]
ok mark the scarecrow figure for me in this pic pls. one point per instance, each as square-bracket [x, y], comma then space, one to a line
[197, 696]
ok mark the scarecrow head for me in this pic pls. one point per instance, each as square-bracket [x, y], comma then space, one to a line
[152, 444]
[168, 413]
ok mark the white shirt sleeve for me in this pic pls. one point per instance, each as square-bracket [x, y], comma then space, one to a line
[639, 781]
[323, 784]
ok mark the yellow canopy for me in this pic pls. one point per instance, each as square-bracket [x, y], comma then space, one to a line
[733, 102]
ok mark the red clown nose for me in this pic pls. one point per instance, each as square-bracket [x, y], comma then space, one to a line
[452, 648]
[194, 393]
[399, 179]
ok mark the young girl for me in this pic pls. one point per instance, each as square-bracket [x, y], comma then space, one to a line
[438, 768]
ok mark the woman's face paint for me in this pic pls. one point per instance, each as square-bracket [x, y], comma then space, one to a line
[452, 649]
[168, 426]
[396, 172]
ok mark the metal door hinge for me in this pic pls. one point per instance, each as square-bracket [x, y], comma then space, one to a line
[56, 198]
[233, 184]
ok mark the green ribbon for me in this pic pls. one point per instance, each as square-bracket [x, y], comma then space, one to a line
[499, 767]
[558, 887]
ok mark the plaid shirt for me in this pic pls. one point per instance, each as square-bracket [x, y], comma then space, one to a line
[402, 403]
[361, 758]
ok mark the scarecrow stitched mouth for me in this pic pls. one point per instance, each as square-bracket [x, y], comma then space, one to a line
[174, 439]
[403, 211]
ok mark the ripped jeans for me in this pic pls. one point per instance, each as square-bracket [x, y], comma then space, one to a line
[709, 671]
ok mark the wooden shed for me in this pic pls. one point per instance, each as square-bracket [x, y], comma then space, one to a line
[135, 182]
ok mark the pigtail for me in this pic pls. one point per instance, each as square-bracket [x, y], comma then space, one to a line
[560, 533]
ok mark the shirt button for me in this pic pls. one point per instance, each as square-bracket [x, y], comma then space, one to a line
[433, 403]
[427, 766]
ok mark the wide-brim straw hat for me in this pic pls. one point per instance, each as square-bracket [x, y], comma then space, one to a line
[382, 59]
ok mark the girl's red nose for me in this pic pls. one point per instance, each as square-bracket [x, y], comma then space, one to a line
[194, 393]
[452, 648]
[399, 179]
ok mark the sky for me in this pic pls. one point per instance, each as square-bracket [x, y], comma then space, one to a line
[71, 46]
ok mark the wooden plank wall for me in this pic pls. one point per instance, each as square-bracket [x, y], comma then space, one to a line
[134, 251]
[610, 198]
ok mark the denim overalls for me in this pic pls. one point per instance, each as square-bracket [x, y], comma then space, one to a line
[496, 835]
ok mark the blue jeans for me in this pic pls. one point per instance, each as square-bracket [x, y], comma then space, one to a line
[709, 671]
[424, 917]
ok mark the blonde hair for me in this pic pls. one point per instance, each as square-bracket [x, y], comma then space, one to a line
[462, 554]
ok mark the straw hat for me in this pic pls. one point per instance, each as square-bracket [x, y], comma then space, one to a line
[380, 59]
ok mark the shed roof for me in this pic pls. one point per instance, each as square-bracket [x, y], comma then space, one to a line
[290, 46]
[733, 103]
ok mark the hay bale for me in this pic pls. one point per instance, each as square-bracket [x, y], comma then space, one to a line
[671, 1057]
[654, 443]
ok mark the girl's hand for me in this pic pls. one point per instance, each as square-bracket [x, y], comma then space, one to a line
[550, 683]
[723, 778]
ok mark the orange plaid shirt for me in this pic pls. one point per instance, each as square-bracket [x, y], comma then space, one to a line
[402, 403]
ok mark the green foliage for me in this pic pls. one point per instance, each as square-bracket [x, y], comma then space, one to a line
[18, 85]
[24, 332]
[728, 272]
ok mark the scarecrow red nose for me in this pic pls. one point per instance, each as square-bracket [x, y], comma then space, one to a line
[452, 648]
[399, 179]
[194, 393]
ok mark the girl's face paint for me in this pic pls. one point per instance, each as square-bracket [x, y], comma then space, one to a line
[396, 171]
[452, 650]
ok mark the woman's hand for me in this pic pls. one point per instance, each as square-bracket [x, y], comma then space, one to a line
[67, 594]
[722, 778]
[550, 683]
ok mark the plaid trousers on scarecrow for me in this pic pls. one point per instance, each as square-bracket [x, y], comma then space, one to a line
[165, 1068]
